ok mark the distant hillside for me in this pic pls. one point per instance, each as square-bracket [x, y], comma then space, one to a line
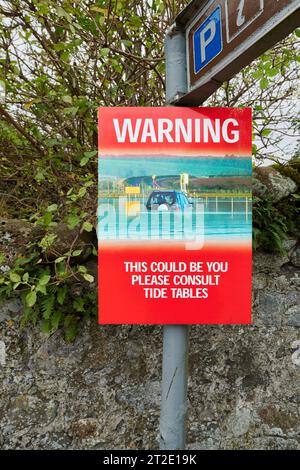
[173, 182]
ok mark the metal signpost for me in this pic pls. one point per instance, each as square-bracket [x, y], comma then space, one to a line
[210, 41]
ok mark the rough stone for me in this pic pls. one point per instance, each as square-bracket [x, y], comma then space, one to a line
[293, 315]
[295, 257]
[103, 390]
[268, 181]
[271, 307]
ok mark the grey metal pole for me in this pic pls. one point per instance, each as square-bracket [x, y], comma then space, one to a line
[175, 337]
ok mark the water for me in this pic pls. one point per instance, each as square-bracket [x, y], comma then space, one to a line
[212, 219]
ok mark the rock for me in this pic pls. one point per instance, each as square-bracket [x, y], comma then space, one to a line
[67, 239]
[271, 307]
[277, 417]
[84, 428]
[268, 181]
[293, 316]
[295, 257]
[10, 309]
[2, 353]
[289, 244]
[268, 263]
[14, 236]
[239, 423]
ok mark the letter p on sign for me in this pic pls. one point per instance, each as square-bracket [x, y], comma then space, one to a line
[208, 40]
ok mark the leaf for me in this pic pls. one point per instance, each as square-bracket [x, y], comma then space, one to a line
[94, 251]
[257, 73]
[88, 277]
[14, 277]
[56, 318]
[71, 332]
[91, 153]
[45, 326]
[61, 294]
[272, 72]
[87, 226]
[264, 83]
[76, 252]
[71, 110]
[67, 99]
[104, 51]
[87, 157]
[52, 208]
[25, 277]
[47, 241]
[30, 299]
[42, 289]
[73, 221]
[84, 161]
[47, 306]
[82, 269]
[44, 279]
[78, 305]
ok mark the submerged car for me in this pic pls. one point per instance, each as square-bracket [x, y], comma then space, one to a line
[168, 200]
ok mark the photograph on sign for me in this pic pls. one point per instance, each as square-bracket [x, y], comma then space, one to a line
[174, 215]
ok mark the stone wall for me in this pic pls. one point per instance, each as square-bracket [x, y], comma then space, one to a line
[103, 390]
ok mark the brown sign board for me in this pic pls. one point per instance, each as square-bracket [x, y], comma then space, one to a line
[223, 36]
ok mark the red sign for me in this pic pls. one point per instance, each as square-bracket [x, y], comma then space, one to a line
[174, 215]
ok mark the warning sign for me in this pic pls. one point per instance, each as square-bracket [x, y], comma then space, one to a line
[174, 215]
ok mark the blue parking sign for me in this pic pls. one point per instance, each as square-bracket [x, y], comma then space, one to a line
[208, 40]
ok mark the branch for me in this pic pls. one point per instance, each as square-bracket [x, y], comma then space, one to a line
[8, 118]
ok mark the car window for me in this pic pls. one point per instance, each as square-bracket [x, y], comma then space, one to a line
[169, 199]
[162, 198]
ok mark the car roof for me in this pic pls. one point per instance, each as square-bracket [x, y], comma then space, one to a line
[165, 191]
